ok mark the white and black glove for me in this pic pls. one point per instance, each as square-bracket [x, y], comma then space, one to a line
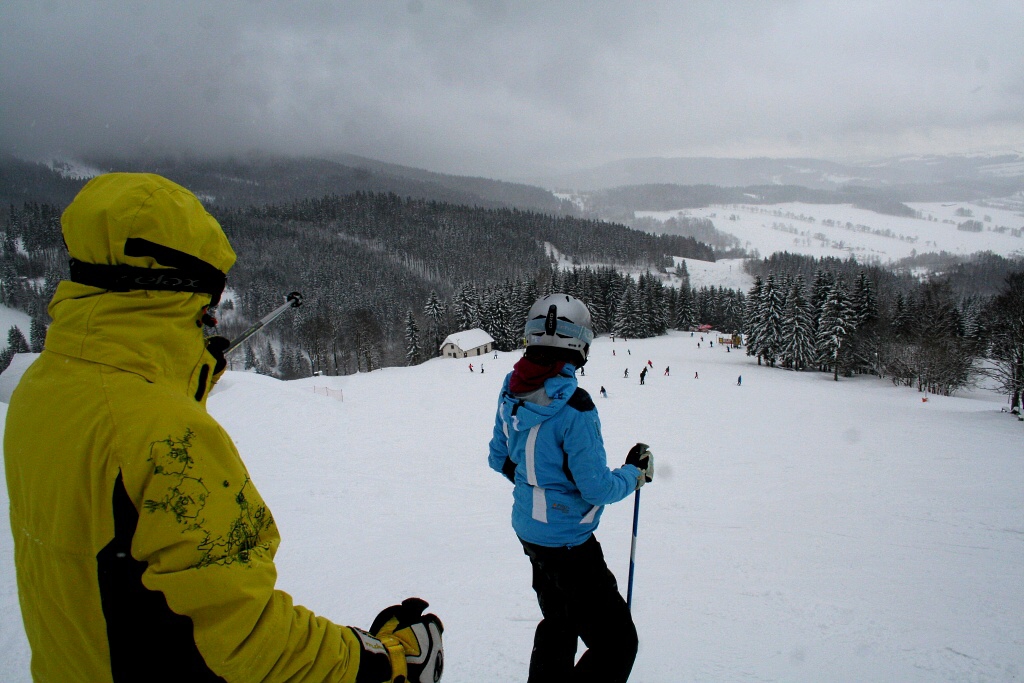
[641, 457]
[411, 641]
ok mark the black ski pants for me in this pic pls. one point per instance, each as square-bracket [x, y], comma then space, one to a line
[579, 598]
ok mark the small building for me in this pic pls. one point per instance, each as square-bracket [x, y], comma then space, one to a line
[467, 343]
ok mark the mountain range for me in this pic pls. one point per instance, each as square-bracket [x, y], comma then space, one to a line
[610, 192]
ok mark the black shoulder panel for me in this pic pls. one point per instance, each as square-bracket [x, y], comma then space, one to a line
[581, 401]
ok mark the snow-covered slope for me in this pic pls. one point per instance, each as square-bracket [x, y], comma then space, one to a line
[841, 230]
[798, 529]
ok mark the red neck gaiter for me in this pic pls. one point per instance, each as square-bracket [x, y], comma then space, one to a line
[528, 376]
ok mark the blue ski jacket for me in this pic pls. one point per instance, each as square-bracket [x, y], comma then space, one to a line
[562, 480]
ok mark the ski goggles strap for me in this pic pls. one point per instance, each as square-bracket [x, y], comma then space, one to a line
[186, 273]
[562, 327]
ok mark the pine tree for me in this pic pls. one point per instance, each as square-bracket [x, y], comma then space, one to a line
[820, 288]
[1007, 354]
[683, 313]
[798, 337]
[752, 320]
[771, 320]
[902, 319]
[287, 368]
[16, 341]
[413, 352]
[269, 357]
[628, 314]
[250, 358]
[466, 305]
[833, 327]
[435, 312]
[864, 343]
[37, 334]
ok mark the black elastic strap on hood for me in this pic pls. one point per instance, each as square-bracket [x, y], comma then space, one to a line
[186, 273]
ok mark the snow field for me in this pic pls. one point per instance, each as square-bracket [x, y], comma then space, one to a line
[797, 529]
[798, 228]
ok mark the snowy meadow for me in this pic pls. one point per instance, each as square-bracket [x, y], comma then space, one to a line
[798, 529]
[841, 230]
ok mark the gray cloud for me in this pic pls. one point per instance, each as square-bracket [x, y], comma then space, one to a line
[506, 89]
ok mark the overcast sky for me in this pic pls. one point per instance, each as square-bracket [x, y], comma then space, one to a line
[508, 89]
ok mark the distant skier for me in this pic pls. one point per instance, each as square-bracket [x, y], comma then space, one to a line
[471, 367]
[547, 441]
[643, 374]
[650, 364]
[666, 371]
[626, 374]
[695, 376]
[604, 393]
[739, 381]
[481, 368]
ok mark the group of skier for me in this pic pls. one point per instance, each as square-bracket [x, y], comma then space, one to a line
[143, 550]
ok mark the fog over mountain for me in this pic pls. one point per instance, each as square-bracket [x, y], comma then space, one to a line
[512, 91]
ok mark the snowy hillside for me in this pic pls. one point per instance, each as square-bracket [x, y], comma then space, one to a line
[798, 529]
[841, 230]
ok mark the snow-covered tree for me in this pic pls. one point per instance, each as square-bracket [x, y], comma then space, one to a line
[1007, 351]
[16, 341]
[413, 352]
[834, 324]
[466, 307]
[798, 329]
[37, 334]
[435, 311]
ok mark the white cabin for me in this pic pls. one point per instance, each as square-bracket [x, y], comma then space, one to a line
[467, 343]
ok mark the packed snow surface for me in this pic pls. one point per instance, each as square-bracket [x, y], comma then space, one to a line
[797, 529]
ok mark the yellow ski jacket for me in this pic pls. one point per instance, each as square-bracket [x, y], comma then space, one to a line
[143, 550]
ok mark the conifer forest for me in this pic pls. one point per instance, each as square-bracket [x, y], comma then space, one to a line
[386, 278]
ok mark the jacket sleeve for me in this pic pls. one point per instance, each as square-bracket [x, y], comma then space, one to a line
[588, 462]
[209, 542]
[498, 451]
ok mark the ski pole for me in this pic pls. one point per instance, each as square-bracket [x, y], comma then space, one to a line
[632, 551]
[294, 300]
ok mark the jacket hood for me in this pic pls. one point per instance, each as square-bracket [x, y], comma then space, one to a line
[114, 207]
[522, 414]
[152, 333]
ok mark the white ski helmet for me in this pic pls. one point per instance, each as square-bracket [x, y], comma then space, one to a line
[561, 321]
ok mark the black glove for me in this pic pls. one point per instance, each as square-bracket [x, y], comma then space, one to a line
[216, 346]
[413, 641]
[508, 468]
[641, 457]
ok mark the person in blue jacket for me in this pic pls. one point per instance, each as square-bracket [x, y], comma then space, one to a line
[547, 441]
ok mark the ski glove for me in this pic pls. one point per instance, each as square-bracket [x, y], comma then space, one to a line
[641, 457]
[216, 346]
[508, 468]
[412, 640]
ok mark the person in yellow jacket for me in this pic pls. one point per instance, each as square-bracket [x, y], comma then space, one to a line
[143, 550]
